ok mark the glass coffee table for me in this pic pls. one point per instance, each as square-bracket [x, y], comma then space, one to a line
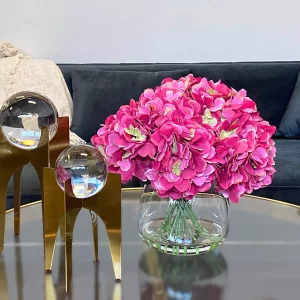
[260, 259]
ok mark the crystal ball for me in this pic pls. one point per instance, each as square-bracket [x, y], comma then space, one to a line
[21, 118]
[85, 166]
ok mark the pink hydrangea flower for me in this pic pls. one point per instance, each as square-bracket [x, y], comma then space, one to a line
[248, 162]
[125, 143]
[188, 134]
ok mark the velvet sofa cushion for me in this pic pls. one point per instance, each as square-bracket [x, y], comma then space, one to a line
[269, 84]
[290, 124]
[287, 164]
[286, 182]
[98, 94]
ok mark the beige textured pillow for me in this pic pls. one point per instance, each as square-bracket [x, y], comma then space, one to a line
[19, 72]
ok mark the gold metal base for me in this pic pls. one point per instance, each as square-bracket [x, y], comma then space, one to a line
[12, 160]
[61, 207]
[59, 143]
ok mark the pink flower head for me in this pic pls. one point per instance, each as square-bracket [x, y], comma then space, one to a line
[187, 134]
[246, 159]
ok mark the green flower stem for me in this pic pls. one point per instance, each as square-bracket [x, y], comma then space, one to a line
[185, 221]
[167, 221]
[180, 218]
[175, 221]
[181, 225]
[192, 216]
[202, 230]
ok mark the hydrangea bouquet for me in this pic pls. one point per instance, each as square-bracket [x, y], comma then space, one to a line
[187, 136]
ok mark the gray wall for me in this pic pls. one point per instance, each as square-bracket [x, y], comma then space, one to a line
[153, 30]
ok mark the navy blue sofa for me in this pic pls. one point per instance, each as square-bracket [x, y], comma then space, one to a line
[270, 84]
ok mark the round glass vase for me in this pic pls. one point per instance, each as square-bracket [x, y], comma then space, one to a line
[183, 227]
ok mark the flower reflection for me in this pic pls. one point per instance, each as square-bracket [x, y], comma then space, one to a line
[166, 277]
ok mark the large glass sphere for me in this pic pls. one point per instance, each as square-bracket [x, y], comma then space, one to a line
[22, 115]
[85, 166]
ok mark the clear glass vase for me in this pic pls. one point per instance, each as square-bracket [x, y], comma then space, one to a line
[183, 227]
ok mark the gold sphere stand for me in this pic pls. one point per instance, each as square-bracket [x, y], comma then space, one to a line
[12, 160]
[59, 143]
[61, 210]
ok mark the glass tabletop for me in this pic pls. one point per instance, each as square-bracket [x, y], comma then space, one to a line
[260, 259]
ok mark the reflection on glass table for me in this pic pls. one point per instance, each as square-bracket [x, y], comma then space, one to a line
[52, 290]
[167, 277]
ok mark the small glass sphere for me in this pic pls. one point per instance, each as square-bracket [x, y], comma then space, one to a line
[85, 166]
[22, 115]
